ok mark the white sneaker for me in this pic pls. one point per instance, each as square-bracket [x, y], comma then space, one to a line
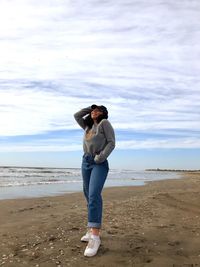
[86, 237]
[92, 247]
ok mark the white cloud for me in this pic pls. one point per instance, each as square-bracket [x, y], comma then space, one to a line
[161, 144]
[29, 112]
[51, 40]
[53, 145]
[57, 57]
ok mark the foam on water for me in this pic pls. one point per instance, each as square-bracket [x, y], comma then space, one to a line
[18, 182]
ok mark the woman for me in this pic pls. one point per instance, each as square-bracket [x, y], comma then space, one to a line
[98, 143]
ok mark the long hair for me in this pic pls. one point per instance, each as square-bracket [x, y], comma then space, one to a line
[89, 121]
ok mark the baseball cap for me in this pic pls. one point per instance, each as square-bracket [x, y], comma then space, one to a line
[101, 108]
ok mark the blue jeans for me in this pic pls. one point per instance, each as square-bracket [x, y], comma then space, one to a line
[94, 176]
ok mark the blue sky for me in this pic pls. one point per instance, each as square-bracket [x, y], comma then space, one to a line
[138, 58]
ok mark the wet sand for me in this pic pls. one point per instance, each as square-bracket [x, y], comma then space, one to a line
[156, 225]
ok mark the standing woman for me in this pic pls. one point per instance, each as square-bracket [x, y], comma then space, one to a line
[98, 143]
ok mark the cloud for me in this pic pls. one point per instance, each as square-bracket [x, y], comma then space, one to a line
[35, 111]
[55, 40]
[192, 143]
[66, 145]
[59, 57]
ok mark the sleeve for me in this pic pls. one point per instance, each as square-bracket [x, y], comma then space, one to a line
[80, 114]
[110, 137]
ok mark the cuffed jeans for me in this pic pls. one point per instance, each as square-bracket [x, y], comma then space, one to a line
[94, 176]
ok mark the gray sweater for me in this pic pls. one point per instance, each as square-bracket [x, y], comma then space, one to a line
[99, 141]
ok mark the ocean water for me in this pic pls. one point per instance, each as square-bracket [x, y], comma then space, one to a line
[23, 182]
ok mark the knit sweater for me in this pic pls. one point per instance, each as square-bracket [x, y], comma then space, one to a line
[99, 141]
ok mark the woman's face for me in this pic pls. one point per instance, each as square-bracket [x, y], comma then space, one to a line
[96, 113]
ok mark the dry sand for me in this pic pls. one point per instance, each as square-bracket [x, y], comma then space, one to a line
[156, 225]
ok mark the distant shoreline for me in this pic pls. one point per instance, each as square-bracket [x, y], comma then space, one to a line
[172, 170]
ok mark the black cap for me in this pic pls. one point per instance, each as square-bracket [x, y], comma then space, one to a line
[101, 108]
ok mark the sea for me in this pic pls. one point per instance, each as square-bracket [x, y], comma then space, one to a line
[29, 182]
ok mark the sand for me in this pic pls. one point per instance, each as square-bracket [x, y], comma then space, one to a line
[155, 225]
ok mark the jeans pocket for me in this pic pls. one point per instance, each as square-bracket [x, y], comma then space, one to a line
[89, 159]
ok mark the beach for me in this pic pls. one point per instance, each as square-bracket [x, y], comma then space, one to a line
[155, 225]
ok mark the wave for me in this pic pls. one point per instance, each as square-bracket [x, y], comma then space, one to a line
[11, 177]
[32, 183]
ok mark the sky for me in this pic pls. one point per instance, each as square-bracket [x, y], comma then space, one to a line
[138, 58]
